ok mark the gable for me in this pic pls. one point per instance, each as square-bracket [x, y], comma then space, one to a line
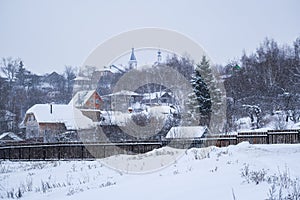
[81, 98]
[10, 136]
[166, 95]
[93, 98]
[29, 117]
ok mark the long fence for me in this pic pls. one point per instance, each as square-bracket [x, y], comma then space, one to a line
[73, 151]
[89, 151]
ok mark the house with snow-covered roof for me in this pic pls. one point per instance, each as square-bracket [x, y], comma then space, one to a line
[186, 132]
[121, 100]
[9, 137]
[89, 103]
[162, 97]
[45, 122]
[86, 99]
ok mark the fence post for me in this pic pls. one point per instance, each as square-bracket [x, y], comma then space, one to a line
[104, 151]
[44, 153]
[4, 154]
[9, 153]
[19, 153]
[29, 152]
[58, 153]
[82, 149]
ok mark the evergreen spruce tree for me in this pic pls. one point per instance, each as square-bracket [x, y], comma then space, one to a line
[199, 101]
[216, 95]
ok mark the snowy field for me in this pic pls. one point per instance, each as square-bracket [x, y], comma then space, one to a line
[237, 172]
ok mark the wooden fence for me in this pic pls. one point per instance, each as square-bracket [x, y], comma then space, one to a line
[87, 151]
[72, 151]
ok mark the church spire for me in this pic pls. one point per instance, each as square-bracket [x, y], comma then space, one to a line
[159, 56]
[132, 61]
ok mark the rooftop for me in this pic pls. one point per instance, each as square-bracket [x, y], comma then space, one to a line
[67, 114]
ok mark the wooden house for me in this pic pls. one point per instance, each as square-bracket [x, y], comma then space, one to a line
[87, 99]
[162, 98]
[45, 122]
[121, 100]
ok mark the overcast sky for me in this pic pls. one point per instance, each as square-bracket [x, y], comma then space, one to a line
[49, 34]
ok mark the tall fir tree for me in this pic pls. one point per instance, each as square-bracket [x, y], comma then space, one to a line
[199, 101]
[216, 95]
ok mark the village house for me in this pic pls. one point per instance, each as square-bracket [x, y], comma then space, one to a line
[161, 98]
[90, 81]
[187, 132]
[87, 99]
[47, 122]
[81, 83]
[9, 137]
[89, 103]
[121, 100]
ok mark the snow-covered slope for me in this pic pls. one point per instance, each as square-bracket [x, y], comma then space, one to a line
[243, 172]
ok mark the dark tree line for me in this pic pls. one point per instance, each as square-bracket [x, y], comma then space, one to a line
[267, 79]
[20, 89]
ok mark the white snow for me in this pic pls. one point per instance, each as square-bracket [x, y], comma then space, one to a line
[124, 93]
[208, 173]
[277, 121]
[186, 132]
[154, 95]
[160, 111]
[296, 126]
[80, 78]
[122, 118]
[115, 118]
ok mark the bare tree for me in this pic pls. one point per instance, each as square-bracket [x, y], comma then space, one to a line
[9, 67]
[70, 76]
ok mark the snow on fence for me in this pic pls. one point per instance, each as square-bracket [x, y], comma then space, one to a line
[88, 151]
[270, 137]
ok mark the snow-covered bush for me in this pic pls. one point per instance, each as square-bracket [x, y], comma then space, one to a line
[141, 118]
[282, 186]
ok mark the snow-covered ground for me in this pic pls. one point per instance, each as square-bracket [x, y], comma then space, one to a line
[243, 172]
[268, 122]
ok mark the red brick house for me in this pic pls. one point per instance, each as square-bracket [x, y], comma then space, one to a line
[87, 99]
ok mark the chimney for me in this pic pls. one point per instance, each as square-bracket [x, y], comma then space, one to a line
[50, 108]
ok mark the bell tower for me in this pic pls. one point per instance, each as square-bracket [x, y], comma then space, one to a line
[132, 63]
